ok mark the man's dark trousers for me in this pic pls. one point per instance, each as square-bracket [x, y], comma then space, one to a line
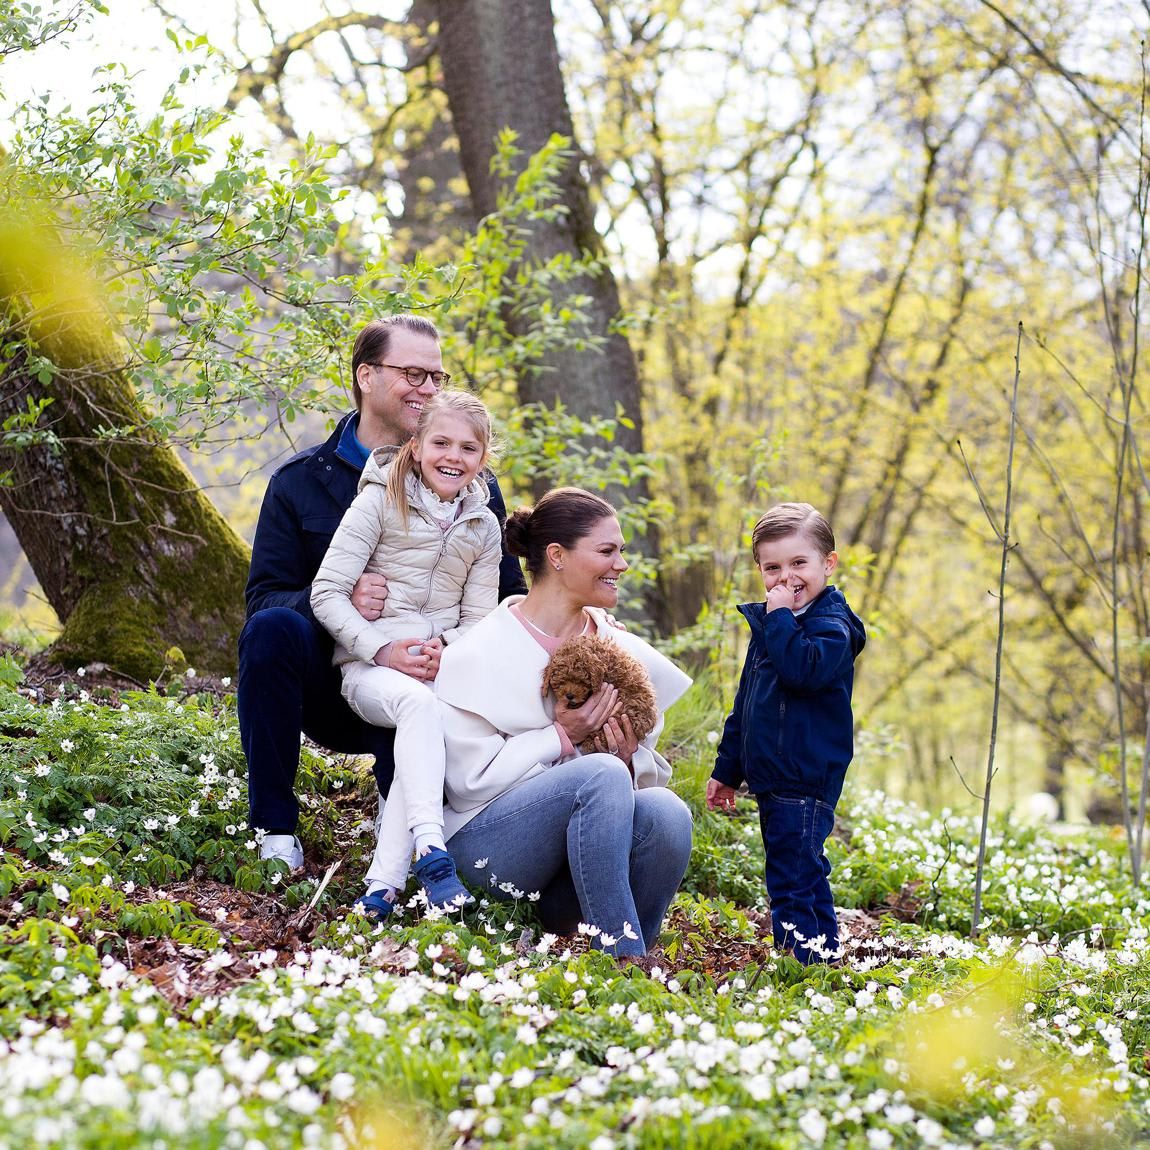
[287, 684]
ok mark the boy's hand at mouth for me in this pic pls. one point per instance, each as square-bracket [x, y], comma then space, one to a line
[780, 596]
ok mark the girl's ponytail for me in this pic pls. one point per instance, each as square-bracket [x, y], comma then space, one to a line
[401, 467]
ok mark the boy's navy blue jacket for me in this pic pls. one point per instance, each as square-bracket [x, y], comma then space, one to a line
[791, 731]
[303, 505]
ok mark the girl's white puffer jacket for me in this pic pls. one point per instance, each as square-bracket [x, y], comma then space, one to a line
[439, 582]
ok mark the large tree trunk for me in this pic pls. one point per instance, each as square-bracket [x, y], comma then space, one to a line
[436, 209]
[500, 70]
[129, 552]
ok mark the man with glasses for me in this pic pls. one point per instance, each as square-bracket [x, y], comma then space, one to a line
[287, 684]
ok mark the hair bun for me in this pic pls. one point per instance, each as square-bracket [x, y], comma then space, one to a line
[516, 531]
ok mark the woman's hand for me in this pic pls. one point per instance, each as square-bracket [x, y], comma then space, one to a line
[416, 657]
[618, 738]
[579, 722]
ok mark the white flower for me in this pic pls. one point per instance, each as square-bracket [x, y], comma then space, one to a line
[226, 681]
[481, 863]
[984, 1127]
[67, 745]
[527, 1034]
[814, 1126]
[341, 1087]
[90, 813]
[60, 891]
[879, 1139]
[190, 673]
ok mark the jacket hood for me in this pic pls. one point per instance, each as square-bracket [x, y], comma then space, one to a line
[475, 495]
[830, 603]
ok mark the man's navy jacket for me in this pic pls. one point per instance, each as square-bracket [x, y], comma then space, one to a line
[791, 731]
[303, 505]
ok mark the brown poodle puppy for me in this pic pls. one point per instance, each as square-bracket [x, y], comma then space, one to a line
[583, 664]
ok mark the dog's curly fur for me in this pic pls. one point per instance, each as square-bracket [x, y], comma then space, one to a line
[581, 665]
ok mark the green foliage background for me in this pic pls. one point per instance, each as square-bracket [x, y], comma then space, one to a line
[826, 227]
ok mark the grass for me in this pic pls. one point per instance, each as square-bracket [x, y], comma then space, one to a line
[159, 984]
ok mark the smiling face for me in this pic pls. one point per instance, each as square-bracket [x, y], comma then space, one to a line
[796, 563]
[449, 454]
[390, 406]
[590, 569]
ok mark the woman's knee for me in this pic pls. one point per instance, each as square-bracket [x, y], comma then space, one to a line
[605, 779]
[661, 814]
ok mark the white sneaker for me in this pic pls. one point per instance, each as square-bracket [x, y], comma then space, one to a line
[285, 847]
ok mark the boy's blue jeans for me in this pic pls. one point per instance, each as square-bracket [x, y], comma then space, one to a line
[797, 872]
[589, 846]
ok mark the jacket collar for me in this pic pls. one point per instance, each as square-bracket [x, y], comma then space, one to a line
[349, 448]
[476, 495]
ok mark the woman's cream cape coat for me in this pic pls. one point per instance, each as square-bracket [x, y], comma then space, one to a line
[499, 729]
[438, 582]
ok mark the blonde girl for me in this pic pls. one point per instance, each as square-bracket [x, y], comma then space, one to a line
[421, 520]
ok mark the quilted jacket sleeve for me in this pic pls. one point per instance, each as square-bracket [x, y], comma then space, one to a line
[353, 544]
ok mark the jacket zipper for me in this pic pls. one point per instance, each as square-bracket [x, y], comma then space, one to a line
[442, 550]
[782, 721]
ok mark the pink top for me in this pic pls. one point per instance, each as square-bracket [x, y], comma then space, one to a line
[550, 644]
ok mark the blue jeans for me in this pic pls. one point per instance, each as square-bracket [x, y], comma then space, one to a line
[593, 848]
[287, 685]
[798, 872]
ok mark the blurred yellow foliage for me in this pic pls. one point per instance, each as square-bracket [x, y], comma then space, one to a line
[49, 290]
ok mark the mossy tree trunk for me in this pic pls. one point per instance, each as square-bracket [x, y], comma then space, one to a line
[132, 556]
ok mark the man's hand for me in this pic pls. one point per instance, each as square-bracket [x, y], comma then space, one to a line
[369, 595]
[720, 797]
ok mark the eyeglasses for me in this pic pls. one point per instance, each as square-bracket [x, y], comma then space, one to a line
[416, 375]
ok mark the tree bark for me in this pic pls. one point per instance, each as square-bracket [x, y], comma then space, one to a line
[131, 555]
[500, 70]
[436, 209]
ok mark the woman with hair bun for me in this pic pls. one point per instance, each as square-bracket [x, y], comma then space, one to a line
[598, 837]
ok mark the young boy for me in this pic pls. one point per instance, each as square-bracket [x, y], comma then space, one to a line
[790, 735]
